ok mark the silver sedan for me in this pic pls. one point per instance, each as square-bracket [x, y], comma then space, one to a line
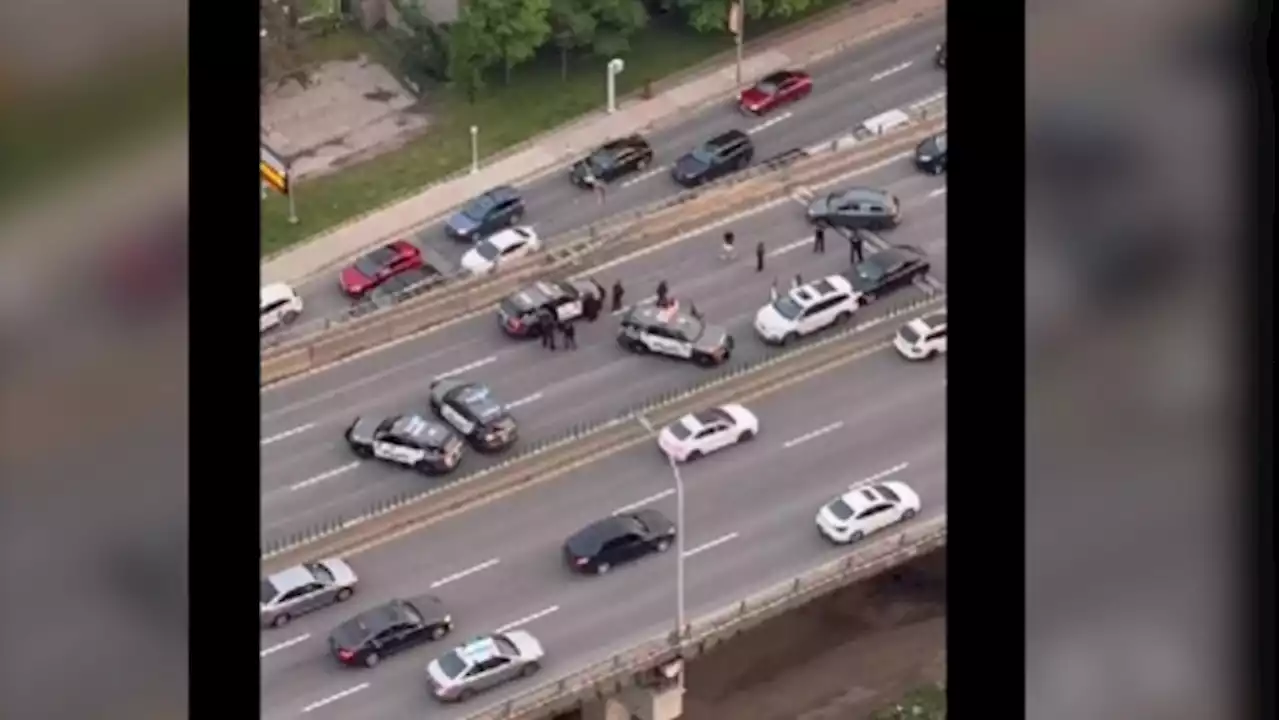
[302, 589]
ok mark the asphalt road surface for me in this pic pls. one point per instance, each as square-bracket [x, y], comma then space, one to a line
[891, 71]
[749, 523]
[310, 476]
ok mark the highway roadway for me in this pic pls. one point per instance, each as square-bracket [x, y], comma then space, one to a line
[309, 476]
[891, 71]
[749, 523]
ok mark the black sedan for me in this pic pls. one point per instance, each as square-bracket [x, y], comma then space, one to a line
[618, 539]
[931, 154]
[890, 269]
[473, 411]
[388, 629]
[723, 154]
[613, 160]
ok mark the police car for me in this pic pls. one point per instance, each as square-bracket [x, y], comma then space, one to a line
[923, 337]
[702, 433]
[675, 332]
[471, 409]
[865, 510]
[806, 309]
[518, 312]
[425, 445]
[484, 663]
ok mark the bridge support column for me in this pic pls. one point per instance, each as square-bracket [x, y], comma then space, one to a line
[638, 703]
[606, 709]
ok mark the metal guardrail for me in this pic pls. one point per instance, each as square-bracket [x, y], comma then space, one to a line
[432, 308]
[629, 667]
[577, 444]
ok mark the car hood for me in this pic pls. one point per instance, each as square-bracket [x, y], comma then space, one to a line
[752, 96]
[689, 166]
[668, 441]
[461, 223]
[768, 317]
[362, 429]
[528, 645]
[826, 517]
[713, 338]
[473, 261]
[353, 278]
[819, 207]
[927, 150]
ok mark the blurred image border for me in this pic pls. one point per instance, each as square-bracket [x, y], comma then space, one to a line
[986, 403]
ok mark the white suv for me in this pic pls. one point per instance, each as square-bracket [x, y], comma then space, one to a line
[279, 305]
[923, 337]
[806, 309]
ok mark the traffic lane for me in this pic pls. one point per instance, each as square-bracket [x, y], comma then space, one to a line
[592, 384]
[289, 406]
[843, 82]
[769, 541]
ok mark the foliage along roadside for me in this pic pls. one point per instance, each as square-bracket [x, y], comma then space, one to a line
[928, 702]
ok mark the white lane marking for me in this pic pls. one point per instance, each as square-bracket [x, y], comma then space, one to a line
[926, 100]
[886, 73]
[863, 170]
[645, 176]
[811, 435]
[710, 544]
[880, 475]
[524, 401]
[768, 123]
[280, 646]
[936, 193]
[469, 367]
[335, 697]
[802, 195]
[287, 433]
[527, 619]
[324, 476]
[463, 573]
[641, 503]
[790, 246]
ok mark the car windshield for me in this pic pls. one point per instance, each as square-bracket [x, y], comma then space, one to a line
[266, 591]
[487, 250]
[908, 334]
[687, 326]
[368, 266]
[787, 308]
[680, 430]
[451, 665]
[870, 271]
[320, 572]
[479, 208]
[600, 160]
[840, 509]
[768, 87]
[703, 154]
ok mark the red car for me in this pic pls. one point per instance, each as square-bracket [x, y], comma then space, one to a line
[378, 266]
[774, 90]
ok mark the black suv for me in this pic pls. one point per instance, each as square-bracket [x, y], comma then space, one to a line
[613, 160]
[473, 411]
[389, 628]
[717, 157]
[618, 539]
[494, 210]
[931, 154]
[857, 208]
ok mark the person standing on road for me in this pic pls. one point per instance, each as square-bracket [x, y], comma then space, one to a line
[819, 240]
[548, 325]
[570, 336]
[773, 290]
[796, 281]
[855, 247]
[727, 251]
[591, 308]
[617, 295]
[760, 256]
[661, 295]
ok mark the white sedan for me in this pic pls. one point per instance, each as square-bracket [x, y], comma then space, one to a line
[491, 253]
[867, 509]
[703, 433]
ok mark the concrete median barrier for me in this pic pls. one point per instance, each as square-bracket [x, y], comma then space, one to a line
[283, 365]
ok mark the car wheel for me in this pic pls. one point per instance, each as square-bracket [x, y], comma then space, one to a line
[843, 317]
[746, 436]
[439, 631]
[788, 338]
[908, 514]
[693, 455]
[639, 347]
[371, 659]
[343, 594]
[865, 298]
[856, 536]
[529, 669]
[289, 317]
[663, 545]
[280, 620]
[466, 694]
[704, 360]
[362, 451]
[602, 568]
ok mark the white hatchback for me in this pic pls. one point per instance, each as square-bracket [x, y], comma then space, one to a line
[490, 254]
[867, 509]
[702, 433]
[923, 337]
[807, 309]
[279, 305]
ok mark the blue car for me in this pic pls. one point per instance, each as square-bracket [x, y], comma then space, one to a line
[494, 210]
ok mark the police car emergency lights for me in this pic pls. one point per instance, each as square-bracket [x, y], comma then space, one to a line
[410, 440]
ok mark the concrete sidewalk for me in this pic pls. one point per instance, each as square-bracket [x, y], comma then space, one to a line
[815, 40]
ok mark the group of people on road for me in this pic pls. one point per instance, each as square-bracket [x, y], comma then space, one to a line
[856, 242]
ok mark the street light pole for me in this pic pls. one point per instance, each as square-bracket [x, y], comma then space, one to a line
[738, 25]
[475, 149]
[675, 473]
[614, 67]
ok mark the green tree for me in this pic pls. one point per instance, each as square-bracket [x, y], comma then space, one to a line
[506, 32]
[713, 15]
[603, 26]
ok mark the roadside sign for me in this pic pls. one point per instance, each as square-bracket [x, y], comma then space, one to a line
[274, 170]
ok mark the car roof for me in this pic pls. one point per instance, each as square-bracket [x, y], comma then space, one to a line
[779, 76]
[502, 192]
[812, 292]
[275, 291]
[727, 137]
[864, 194]
[624, 142]
[886, 121]
[479, 649]
[291, 578]
[673, 316]
[932, 320]
[603, 530]
[376, 619]
[861, 498]
[504, 239]
[894, 252]
[420, 428]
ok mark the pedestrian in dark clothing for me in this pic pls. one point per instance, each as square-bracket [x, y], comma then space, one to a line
[693, 310]
[570, 336]
[819, 241]
[662, 293]
[548, 325]
[855, 247]
[760, 256]
[796, 281]
[617, 295]
[591, 308]
[726, 253]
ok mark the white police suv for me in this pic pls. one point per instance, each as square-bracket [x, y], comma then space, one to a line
[923, 337]
[807, 309]
[702, 433]
[867, 509]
